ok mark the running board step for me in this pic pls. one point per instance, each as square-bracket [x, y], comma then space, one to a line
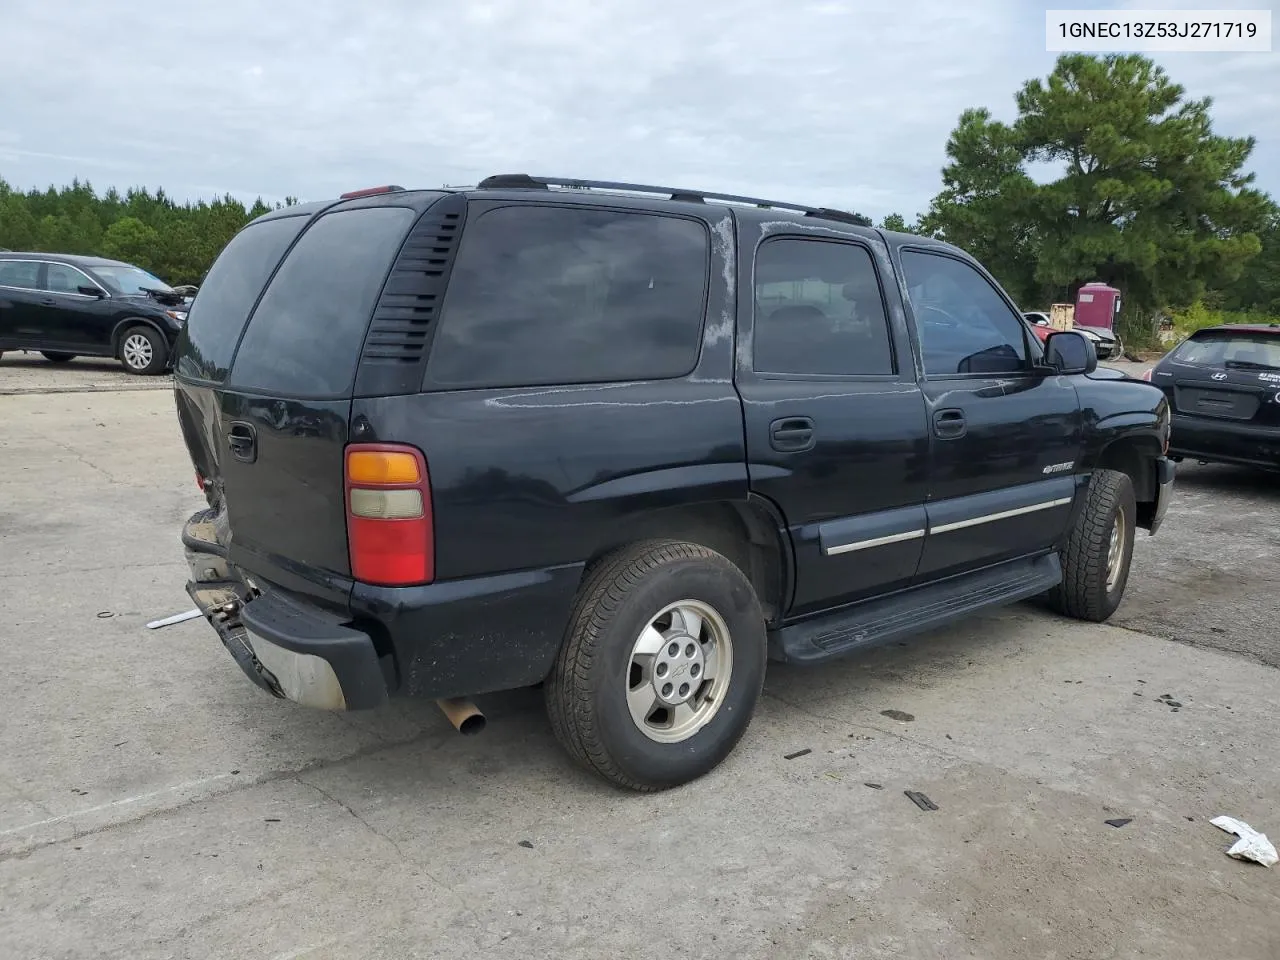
[875, 622]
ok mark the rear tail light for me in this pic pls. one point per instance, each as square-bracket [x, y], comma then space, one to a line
[390, 534]
[1145, 375]
[200, 480]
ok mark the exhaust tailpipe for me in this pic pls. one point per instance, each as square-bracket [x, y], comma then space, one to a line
[463, 714]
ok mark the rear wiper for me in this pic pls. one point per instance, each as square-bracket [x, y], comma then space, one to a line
[1249, 365]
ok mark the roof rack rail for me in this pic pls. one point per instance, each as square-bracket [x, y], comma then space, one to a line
[522, 181]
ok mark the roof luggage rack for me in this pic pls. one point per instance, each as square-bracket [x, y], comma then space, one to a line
[522, 181]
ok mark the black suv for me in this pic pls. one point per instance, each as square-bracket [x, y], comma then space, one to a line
[628, 442]
[1224, 386]
[65, 307]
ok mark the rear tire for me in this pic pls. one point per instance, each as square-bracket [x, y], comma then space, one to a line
[143, 351]
[1095, 563]
[57, 357]
[658, 622]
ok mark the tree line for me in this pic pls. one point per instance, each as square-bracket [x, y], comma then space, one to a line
[177, 242]
[1108, 172]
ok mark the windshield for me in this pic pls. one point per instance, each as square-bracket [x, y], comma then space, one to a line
[129, 280]
[1222, 349]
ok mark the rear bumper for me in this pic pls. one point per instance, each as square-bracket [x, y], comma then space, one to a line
[449, 639]
[1221, 441]
[291, 649]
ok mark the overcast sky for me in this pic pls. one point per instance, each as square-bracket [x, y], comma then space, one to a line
[832, 102]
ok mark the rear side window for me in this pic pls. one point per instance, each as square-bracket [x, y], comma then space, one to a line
[819, 310]
[553, 295]
[19, 273]
[227, 294]
[1241, 350]
[304, 339]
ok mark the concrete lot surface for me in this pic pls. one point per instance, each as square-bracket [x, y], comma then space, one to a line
[22, 373]
[154, 804]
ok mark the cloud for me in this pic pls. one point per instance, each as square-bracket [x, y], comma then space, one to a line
[815, 101]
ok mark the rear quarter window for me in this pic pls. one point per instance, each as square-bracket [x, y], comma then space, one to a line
[560, 295]
[222, 306]
[305, 336]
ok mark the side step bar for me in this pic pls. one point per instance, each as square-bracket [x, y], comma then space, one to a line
[875, 622]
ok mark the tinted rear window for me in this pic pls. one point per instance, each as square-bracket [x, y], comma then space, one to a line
[554, 295]
[222, 306]
[1219, 349]
[305, 337]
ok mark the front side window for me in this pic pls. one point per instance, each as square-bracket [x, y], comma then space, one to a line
[965, 326]
[23, 274]
[561, 295]
[62, 278]
[819, 310]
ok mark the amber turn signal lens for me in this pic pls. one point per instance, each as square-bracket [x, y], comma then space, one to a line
[382, 466]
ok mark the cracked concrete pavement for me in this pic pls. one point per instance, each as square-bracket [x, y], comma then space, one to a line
[154, 804]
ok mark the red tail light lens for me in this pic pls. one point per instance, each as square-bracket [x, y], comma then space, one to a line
[1146, 375]
[371, 191]
[390, 535]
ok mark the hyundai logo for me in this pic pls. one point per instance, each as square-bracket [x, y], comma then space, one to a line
[1219, 376]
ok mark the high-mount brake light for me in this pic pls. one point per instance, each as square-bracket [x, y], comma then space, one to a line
[390, 533]
[371, 192]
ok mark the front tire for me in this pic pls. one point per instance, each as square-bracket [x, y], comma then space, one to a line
[661, 667]
[1095, 563]
[57, 357]
[143, 351]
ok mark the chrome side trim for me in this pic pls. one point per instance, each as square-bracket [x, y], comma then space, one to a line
[1002, 515]
[875, 542]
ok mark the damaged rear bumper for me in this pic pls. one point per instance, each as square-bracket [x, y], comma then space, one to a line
[290, 648]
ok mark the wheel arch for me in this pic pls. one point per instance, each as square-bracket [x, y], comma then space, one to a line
[748, 533]
[118, 331]
[1135, 454]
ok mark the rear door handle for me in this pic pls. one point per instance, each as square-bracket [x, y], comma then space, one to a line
[949, 424]
[242, 439]
[48, 302]
[791, 434]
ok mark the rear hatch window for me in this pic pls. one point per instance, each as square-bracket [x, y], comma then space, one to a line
[1259, 352]
[227, 295]
[1229, 375]
[305, 336]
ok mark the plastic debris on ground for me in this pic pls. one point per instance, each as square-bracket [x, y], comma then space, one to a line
[1252, 845]
[176, 618]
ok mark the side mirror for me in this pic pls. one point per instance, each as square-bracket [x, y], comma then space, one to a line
[1070, 352]
[89, 291]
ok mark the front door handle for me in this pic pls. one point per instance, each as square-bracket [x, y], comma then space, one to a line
[949, 424]
[242, 439]
[48, 302]
[791, 434]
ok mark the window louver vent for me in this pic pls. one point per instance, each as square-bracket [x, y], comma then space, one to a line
[395, 347]
[411, 299]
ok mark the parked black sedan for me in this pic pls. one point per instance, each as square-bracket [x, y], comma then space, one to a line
[67, 306]
[1223, 384]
